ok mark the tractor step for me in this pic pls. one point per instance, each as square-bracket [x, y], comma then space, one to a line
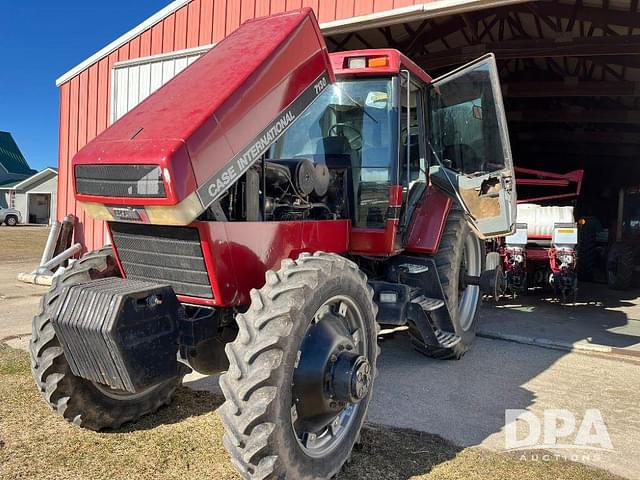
[447, 339]
[428, 304]
[413, 268]
[440, 338]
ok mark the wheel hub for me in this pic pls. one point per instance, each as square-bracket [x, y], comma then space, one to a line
[332, 374]
[351, 378]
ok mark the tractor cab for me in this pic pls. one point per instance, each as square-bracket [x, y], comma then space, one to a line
[385, 130]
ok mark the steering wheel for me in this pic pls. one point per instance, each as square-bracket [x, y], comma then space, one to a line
[355, 140]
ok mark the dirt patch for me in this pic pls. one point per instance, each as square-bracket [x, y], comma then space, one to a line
[22, 243]
[184, 440]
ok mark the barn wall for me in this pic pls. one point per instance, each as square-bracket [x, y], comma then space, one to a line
[84, 100]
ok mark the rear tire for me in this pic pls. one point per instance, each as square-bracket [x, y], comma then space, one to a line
[261, 436]
[11, 220]
[458, 246]
[75, 399]
[586, 253]
[620, 266]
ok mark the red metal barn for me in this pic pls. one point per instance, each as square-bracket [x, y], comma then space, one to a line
[555, 56]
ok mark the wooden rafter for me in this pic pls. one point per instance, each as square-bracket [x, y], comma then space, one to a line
[583, 116]
[576, 47]
[547, 89]
[598, 16]
[576, 136]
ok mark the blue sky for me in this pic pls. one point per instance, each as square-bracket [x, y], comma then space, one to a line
[39, 41]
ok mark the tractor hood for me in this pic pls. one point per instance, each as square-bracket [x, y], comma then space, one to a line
[176, 153]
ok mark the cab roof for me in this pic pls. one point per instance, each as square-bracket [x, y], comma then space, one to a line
[396, 61]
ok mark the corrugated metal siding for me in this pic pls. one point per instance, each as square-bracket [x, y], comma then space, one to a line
[84, 100]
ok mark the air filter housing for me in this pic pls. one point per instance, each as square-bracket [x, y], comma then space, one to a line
[119, 332]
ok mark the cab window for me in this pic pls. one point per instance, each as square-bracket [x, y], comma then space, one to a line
[350, 126]
[464, 123]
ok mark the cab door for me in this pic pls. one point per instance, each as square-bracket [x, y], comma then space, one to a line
[470, 154]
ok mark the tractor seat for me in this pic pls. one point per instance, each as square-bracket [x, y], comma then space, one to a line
[337, 152]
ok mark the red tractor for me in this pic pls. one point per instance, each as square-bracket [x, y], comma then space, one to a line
[266, 207]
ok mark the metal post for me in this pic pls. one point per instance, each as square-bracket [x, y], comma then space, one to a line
[58, 259]
[52, 240]
[66, 234]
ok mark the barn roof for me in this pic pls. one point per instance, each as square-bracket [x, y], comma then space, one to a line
[11, 158]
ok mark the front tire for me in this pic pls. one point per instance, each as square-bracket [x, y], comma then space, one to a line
[11, 220]
[75, 399]
[265, 413]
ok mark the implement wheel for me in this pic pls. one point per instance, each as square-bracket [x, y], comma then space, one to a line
[301, 370]
[77, 400]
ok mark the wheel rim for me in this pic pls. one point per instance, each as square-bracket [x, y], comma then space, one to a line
[317, 428]
[469, 295]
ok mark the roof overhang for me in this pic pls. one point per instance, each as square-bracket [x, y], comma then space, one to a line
[389, 17]
[411, 13]
[34, 178]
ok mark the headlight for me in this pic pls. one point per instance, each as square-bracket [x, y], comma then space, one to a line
[518, 258]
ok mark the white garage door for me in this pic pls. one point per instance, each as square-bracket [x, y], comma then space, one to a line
[134, 80]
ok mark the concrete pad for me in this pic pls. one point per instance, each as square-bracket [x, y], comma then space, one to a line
[465, 401]
[601, 320]
[19, 302]
[21, 251]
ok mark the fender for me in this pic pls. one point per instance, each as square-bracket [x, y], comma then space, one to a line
[428, 221]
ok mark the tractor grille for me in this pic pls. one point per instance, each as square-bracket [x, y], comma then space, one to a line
[170, 255]
[141, 181]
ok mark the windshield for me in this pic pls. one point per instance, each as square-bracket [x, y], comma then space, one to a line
[351, 126]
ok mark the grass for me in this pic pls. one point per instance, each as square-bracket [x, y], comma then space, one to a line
[22, 243]
[183, 441]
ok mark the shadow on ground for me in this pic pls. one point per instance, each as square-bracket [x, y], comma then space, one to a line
[600, 316]
[186, 403]
[396, 454]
